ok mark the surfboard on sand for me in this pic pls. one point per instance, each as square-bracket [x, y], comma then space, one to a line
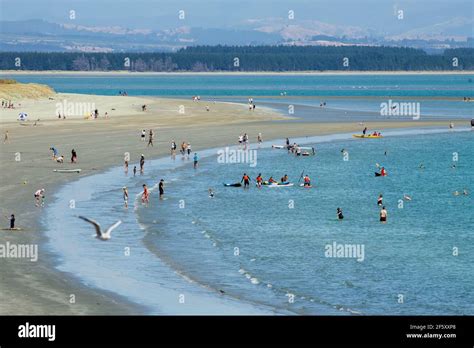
[67, 170]
[12, 229]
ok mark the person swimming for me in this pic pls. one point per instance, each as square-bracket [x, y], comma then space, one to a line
[211, 193]
[340, 216]
[380, 200]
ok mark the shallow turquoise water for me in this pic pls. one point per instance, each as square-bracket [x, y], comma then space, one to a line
[411, 255]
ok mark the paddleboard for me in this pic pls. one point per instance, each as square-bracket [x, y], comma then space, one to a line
[12, 229]
[237, 184]
[278, 146]
[302, 185]
[280, 185]
[67, 170]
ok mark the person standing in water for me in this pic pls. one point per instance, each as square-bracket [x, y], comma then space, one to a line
[39, 198]
[126, 166]
[339, 214]
[145, 194]
[134, 170]
[161, 188]
[380, 200]
[383, 215]
[259, 138]
[173, 148]
[150, 138]
[245, 180]
[259, 180]
[195, 160]
[125, 196]
[142, 164]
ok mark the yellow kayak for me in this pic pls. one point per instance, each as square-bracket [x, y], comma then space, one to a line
[366, 136]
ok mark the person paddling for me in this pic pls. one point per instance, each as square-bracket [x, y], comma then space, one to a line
[259, 180]
[306, 181]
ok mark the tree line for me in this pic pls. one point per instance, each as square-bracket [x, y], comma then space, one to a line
[246, 58]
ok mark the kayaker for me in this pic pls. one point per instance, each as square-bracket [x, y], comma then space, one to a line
[284, 179]
[245, 180]
[383, 172]
[271, 180]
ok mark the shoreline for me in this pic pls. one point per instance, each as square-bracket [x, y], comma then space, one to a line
[230, 302]
[36, 288]
[236, 73]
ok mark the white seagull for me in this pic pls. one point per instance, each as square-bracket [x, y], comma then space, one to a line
[99, 234]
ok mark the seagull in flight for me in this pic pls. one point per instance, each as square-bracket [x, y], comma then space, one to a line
[99, 233]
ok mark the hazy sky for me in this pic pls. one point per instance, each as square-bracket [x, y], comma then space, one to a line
[163, 14]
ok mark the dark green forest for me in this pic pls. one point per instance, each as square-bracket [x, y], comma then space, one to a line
[247, 58]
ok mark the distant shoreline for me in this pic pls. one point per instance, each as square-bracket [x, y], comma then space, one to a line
[236, 73]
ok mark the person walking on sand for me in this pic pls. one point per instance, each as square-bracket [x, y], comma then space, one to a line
[195, 160]
[383, 215]
[145, 195]
[39, 198]
[142, 164]
[161, 188]
[143, 135]
[125, 196]
[55, 152]
[12, 222]
[73, 156]
[259, 138]
[6, 138]
[173, 148]
[188, 149]
[150, 138]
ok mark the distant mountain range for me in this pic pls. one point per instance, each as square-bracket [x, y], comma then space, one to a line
[40, 35]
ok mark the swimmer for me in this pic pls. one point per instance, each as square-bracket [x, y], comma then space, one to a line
[406, 197]
[211, 193]
[125, 196]
[339, 214]
[383, 215]
[380, 200]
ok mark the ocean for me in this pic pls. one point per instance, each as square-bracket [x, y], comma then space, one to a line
[357, 96]
[269, 246]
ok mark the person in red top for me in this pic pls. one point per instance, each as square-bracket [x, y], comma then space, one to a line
[383, 172]
[307, 180]
[245, 180]
[145, 194]
[259, 180]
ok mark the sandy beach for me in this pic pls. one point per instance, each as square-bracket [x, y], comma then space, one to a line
[36, 287]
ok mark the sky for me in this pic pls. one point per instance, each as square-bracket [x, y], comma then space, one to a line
[377, 15]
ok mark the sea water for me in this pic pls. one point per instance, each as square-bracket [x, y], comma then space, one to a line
[269, 246]
[359, 97]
